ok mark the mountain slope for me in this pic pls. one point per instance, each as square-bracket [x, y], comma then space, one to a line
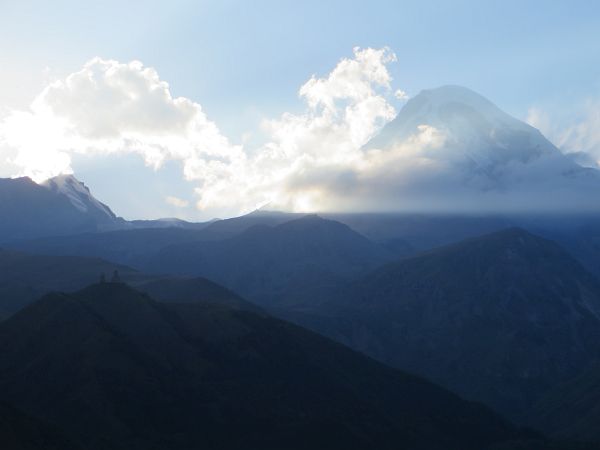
[61, 206]
[141, 240]
[193, 290]
[477, 129]
[275, 265]
[80, 197]
[406, 234]
[572, 410]
[227, 228]
[459, 152]
[418, 232]
[119, 371]
[130, 247]
[501, 319]
[26, 277]
[19, 431]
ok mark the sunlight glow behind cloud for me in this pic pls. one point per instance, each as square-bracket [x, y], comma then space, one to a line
[308, 161]
[110, 107]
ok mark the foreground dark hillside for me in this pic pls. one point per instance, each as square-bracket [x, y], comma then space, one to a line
[193, 290]
[572, 409]
[116, 370]
[18, 431]
[25, 277]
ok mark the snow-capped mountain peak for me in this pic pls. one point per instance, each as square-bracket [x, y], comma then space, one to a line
[475, 130]
[452, 148]
[78, 194]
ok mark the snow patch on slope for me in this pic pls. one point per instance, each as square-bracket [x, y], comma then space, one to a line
[78, 194]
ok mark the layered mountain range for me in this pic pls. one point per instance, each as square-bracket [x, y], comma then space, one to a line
[496, 305]
[61, 206]
[502, 318]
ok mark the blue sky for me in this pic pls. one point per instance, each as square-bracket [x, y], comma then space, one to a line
[245, 61]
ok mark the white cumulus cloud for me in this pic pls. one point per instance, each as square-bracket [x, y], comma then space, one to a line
[304, 163]
[111, 107]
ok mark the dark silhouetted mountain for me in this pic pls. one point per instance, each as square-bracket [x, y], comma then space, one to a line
[226, 228]
[275, 265]
[501, 318]
[116, 370]
[580, 236]
[167, 223]
[545, 444]
[407, 234]
[18, 431]
[26, 277]
[401, 235]
[130, 247]
[60, 206]
[572, 410]
[193, 290]
[135, 245]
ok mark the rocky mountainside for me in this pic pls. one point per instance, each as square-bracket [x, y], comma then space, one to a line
[572, 410]
[273, 265]
[60, 206]
[117, 370]
[502, 319]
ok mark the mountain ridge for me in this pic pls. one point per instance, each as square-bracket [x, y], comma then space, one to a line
[501, 318]
[275, 384]
[78, 194]
[32, 210]
[267, 263]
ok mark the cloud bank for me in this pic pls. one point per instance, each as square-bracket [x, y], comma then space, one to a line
[110, 107]
[309, 161]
